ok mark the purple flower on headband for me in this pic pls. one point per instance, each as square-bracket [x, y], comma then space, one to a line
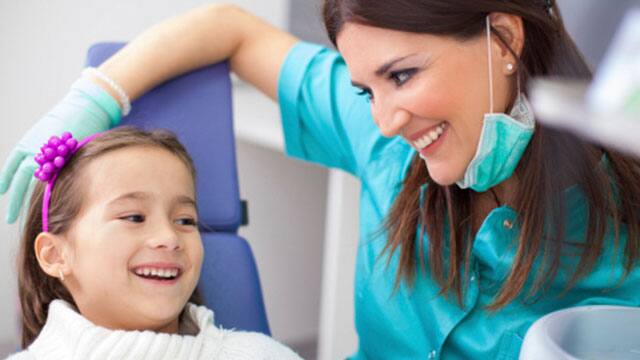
[54, 155]
[52, 158]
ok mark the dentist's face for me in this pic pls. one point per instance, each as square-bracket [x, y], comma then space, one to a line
[431, 90]
[136, 249]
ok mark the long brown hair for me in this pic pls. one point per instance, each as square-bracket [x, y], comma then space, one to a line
[37, 289]
[552, 160]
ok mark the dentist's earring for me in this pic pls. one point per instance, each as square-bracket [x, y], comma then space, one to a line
[61, 274]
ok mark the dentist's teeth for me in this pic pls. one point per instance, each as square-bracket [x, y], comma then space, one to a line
[430, 137]
[423, 142]
[434, 135]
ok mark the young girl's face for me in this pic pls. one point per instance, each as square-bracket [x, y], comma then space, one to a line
[135, 251]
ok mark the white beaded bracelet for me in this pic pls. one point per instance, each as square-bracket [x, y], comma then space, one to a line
[123, 98]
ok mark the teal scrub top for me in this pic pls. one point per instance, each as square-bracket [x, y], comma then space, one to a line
[325, 121]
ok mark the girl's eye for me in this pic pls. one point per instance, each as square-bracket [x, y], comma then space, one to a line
[187, 222]
[402, 76]
[136, 218]
[367, 92]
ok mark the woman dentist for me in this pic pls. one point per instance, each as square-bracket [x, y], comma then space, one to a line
[475, 220]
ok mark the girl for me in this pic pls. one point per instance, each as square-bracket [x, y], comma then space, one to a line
[111, 255]
[475, 221]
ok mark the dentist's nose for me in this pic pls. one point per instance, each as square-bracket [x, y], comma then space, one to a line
[390, 122]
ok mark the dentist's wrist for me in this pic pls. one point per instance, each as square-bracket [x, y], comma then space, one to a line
[100, 97]
[109, 85]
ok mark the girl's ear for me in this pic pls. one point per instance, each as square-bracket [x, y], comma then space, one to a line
[53, 255]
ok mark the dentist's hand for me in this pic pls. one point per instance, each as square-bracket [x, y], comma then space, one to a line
[86, 110]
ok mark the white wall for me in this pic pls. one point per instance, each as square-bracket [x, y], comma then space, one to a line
[42, 48]
[286, 223]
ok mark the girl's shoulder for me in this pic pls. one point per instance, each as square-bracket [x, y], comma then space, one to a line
[237, 345]
[252, 345]
[22, 355]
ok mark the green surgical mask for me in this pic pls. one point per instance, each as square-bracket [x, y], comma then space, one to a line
[503, 140]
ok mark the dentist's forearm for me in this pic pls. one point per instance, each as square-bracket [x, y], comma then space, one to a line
[200, 37]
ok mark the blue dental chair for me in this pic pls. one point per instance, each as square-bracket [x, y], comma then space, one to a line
[197, 108]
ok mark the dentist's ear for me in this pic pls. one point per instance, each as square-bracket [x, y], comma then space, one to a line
[510, 29]
[53, 255]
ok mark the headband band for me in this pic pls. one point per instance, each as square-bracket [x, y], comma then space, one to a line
[53, 156]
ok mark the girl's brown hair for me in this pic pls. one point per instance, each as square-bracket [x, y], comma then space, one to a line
[37, 289]
[552, 160]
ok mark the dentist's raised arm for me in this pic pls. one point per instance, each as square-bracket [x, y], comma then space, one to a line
[200, 37]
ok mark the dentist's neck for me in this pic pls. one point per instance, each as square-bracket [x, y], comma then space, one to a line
[504, 193]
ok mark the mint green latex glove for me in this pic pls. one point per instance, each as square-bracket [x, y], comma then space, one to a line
[87, 109]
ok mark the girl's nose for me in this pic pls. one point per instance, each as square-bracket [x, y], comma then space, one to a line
[165, 237]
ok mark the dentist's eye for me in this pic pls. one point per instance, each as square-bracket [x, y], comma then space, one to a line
[402, 76]
[136, 218]
[187, 222]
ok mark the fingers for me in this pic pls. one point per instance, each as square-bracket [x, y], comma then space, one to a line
[8, 170]
[20, 184]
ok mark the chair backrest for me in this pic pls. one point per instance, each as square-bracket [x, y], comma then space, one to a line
[197, 107]
[585, 332]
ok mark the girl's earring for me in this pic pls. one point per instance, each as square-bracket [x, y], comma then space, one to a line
[509, 67]
[61, 274]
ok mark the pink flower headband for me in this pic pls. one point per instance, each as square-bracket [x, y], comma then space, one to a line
[53, 156]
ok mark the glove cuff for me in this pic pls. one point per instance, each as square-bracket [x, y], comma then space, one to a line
[102, 98]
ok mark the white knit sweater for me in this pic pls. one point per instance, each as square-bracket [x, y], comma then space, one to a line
[68, 335]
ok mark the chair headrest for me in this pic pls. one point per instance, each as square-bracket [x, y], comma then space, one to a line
[196, 107]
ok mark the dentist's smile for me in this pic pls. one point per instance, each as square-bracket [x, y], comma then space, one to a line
[426, 141]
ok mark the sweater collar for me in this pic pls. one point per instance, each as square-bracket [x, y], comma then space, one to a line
[69, 335]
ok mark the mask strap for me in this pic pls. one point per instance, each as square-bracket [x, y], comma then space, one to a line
[490, 65]
[518, 82]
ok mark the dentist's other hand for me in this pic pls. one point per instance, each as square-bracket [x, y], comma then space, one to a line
[87, 109]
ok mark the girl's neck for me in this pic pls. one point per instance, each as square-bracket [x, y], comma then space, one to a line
[171, 328]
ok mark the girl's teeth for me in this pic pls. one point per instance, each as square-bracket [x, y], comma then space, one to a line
[166, 273]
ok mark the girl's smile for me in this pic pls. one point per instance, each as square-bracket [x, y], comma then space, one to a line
[158, 273]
